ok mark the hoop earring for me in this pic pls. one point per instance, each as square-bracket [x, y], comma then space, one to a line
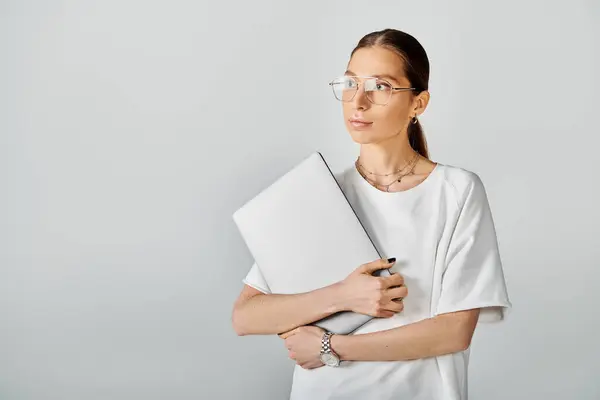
[415, 120]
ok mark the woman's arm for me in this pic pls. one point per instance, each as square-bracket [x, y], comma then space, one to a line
[255, 313]
[442, 334]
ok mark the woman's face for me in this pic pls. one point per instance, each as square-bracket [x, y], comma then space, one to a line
[386, 120]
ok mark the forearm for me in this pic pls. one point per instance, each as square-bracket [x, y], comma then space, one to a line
[436, 336]
[278, 313]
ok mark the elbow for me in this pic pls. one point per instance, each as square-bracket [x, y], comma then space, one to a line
[243, 319]
[463, 338]
[464, 328]
[463, 343]
[237, 322]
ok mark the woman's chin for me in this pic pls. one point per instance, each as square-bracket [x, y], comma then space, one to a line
[363, 137]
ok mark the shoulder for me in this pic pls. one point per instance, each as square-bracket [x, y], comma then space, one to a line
[464, 183]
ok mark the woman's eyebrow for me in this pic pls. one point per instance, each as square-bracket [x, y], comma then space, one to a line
[383, 76]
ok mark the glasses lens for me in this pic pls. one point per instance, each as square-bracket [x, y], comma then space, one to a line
[344, 88]
[378, 91]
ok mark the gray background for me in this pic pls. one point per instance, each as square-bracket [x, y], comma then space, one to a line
[131, 131]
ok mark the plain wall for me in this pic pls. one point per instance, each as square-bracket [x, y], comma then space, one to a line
[130, 131]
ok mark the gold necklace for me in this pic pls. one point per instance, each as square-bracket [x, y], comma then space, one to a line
[412, 164]
[373, 173]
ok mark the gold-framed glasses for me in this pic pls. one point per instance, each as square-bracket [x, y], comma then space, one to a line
[377, 90]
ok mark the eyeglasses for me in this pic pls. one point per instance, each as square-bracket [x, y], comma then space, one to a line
[378, 90]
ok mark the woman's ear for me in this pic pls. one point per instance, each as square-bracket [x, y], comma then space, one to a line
[420, 102]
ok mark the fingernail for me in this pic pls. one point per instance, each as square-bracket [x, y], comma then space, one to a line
[391, 260]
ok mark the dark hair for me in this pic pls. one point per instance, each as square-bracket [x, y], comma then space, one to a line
[416, 69]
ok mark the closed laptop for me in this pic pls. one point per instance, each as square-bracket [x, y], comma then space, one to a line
[304, 235]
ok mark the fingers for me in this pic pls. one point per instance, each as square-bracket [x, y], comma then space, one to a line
[385, 313]
[394, 306]
[387, 308]
[396, 292]
[287, 334]
[392, 301]
[378, 264]
[312, 364]
[394, 279]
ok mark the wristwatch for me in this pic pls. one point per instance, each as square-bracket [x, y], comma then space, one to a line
[328, 356]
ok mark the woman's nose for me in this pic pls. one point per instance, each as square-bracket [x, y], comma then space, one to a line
[360, 98]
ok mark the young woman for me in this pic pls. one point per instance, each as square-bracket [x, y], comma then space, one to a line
[434, 222]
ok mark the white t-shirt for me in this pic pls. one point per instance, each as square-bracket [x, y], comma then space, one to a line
[444, 240]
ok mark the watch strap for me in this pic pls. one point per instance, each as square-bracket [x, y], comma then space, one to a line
[326, 342]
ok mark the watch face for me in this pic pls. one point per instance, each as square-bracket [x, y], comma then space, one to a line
[329, 359]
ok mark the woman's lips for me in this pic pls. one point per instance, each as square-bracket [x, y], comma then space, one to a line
[360, 124]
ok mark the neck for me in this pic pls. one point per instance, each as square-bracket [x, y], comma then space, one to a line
[385, 158]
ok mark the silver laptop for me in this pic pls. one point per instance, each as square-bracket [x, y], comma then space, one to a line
[304, 235]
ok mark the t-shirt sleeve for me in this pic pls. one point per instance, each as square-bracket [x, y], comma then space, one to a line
[255, 279]
[474, 277]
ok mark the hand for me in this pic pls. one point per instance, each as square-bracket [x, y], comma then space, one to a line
[304, 345]
[374, 295]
